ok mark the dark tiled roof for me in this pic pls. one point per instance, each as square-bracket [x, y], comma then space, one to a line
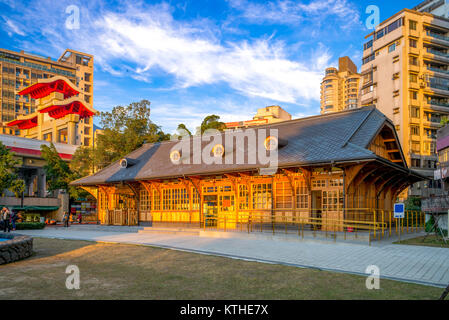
[335, 137]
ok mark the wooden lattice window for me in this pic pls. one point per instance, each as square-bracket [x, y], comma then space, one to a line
[195, 199]
[243, 197]
[283, 195]
[302, 195]
[332, 200]
[156, 200]
[175, 199]
[261, 194]
[145, 200]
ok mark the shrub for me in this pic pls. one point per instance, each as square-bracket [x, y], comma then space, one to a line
[29, 225]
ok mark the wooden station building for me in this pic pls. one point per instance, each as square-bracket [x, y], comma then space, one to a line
[336, 167]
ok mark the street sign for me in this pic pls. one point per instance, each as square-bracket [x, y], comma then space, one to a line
[399, 210]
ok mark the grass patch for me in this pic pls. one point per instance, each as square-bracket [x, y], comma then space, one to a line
[120, 271]
[430, 241]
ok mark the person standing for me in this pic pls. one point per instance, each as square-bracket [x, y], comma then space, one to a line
[6, 220]
[80, 218]
[66, 219]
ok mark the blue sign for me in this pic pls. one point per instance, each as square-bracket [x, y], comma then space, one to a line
[399, 210]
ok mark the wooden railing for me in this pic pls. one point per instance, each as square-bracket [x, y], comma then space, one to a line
[122, 217]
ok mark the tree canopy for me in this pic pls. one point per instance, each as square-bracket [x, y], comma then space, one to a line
[9, 179]
[124, 130]
[209, 122]
[212, 122]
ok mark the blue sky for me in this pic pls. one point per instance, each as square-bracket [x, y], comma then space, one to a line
[194, 58]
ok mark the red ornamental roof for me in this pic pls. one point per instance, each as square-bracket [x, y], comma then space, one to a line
[46, 86]
[74, 107]
[24, 123]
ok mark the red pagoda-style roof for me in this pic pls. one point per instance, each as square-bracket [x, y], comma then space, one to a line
[46, 86]
[24, 123]
[72, 106]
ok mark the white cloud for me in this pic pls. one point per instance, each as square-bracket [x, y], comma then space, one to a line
[12, 28]
[296, 12]
[152, 40]
[142, 41]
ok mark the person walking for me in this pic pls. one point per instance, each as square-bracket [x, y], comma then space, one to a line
[66, 219]
[14, 218]
[6, 220]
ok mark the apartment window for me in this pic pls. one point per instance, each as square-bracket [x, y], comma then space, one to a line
[87, 77]
[416, 146]
[413, 61]
[412, 24]
[414, 130]
[416, 163]
[413, 78]
[392, 47]
[413, 43]
[414, 111]
[368, 58]
[430, 164]
[413, 95]
[431, 133]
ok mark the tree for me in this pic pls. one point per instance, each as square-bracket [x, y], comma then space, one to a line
[83, 162]
[9, 179]
[58, 173]
[182, 126]
[209, 122]
[212, 122]
[124, 130]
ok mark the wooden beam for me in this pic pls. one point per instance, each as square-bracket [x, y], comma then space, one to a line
[351, 173]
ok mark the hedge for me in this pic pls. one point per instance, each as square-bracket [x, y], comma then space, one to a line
[29, 225]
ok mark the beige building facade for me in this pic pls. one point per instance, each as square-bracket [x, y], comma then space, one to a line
[405, 74]
[340, 87]
[269, 114]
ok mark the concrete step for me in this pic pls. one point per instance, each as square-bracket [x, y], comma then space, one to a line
[177, 231]
[307, 236]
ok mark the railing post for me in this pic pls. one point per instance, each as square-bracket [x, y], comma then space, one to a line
[408, 213]
[383, 221]
[389, 220]
[374, 225]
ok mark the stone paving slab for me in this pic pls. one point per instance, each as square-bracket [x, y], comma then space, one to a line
[417, 264]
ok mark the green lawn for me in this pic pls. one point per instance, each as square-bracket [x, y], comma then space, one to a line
[430, 241]
[118, 271]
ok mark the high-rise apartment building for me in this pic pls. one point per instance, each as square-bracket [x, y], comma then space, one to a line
[340, 87]
[436, 7]
[19, 70]
[405, 73]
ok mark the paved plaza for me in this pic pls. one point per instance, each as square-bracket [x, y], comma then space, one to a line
[417, 264]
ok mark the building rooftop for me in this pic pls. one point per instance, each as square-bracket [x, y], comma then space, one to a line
[336, 138]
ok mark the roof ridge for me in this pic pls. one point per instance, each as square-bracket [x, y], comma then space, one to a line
[358, 127]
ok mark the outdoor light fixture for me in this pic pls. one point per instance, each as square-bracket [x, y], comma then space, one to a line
[175, 156]
[218, 150]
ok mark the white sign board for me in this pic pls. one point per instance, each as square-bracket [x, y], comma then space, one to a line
[399, 210]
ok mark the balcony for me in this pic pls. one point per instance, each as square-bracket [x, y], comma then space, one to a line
[439, 38]
[438, 70]
[437, 55]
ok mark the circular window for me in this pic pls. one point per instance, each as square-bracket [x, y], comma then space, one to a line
[175, 156]
[218, 150]
[271, 143]
[123, 163]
